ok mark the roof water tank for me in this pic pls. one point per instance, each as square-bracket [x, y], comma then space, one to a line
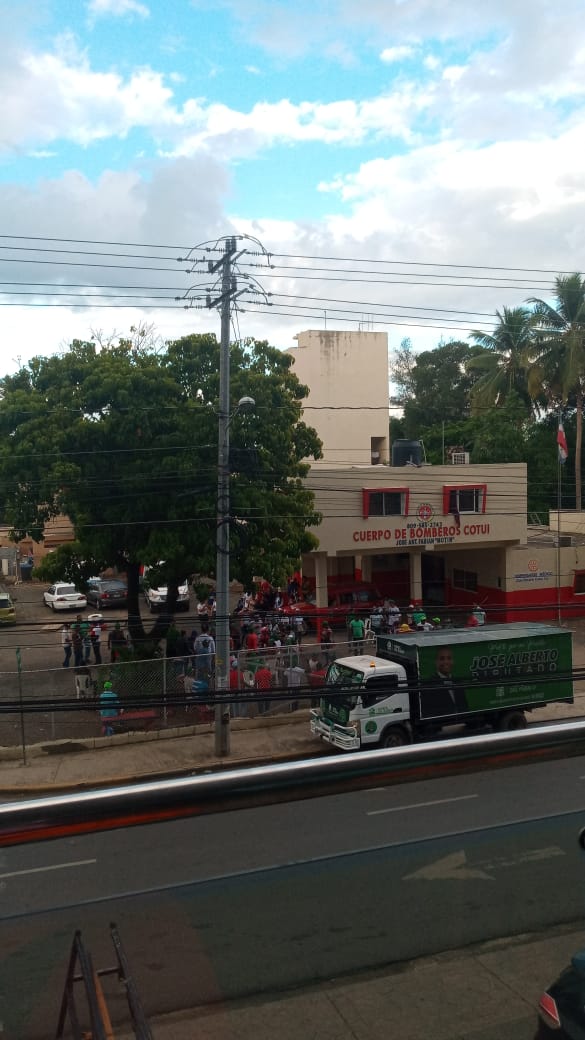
[406, 453]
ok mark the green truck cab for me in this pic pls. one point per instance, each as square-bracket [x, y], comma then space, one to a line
[420, 682]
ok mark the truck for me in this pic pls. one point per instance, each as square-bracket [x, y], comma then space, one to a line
[419, 683]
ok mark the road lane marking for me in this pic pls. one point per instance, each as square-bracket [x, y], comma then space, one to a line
[54, 866]
[455, 866]
[422, 805]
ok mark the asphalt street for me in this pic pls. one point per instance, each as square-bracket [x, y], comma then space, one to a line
[257, 900]
[36, 878]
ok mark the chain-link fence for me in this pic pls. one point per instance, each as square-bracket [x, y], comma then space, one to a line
[69, 703]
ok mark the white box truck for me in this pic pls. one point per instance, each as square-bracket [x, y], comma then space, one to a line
[420, 682]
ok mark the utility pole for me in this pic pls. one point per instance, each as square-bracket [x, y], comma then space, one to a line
[222, 569]
[228, 294]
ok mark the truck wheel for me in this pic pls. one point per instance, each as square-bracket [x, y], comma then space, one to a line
[511, 720]
[393, 737]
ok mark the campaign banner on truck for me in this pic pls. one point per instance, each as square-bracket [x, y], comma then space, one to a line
[459, 676]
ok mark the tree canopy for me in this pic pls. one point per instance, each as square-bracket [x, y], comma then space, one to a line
[433, 386]
[505, 363]
[123, 440]
[560, 351]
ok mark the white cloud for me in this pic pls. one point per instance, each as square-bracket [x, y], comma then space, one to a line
[396, 54]
[51, 96]
[117, 8]
[230, 132]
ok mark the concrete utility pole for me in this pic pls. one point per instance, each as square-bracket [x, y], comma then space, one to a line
[222, 570]
[228, 294]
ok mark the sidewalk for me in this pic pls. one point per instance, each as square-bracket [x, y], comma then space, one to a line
[488, 992]
[58, 766]
[64, 765]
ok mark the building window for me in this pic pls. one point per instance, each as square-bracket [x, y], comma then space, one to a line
[579, 583]
[466, 580]
[465, 498]
[385, 502]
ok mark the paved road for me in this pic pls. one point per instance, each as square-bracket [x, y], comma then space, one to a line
[272, 897]
[274, 836]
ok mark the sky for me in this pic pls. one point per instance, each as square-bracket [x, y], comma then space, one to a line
[398, 165]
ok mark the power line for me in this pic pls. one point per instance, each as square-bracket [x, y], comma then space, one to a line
[290, 256]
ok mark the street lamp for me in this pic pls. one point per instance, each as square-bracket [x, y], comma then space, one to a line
[222, 570]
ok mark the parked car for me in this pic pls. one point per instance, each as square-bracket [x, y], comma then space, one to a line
[107, 592]
[156, 598]
[357, 597]
[7, 611]
[561, 1009]
[63, 596]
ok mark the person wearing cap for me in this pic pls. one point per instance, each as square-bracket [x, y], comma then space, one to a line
[436, 622]
[108, 708]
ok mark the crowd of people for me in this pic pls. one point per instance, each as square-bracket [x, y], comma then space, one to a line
[390, 619]
[266, 644]
[84, 637]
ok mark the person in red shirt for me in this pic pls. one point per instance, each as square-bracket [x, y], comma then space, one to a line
[252, 640]
[263, 682]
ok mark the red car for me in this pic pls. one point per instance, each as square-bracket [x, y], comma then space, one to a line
[358, 598]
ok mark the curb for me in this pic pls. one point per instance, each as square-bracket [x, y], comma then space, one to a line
[214, 766]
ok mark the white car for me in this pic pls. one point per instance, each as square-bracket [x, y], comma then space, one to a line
[156, 598]
[62, 596]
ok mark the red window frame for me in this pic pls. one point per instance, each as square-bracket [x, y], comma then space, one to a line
[367, 492]
[448, 488]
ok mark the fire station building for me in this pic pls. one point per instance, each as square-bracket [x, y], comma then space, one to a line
[447, 535]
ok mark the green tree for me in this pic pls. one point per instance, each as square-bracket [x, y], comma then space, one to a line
[434, 386]
[504, 365]
[123, 440]
[561, 353]
[500, 435]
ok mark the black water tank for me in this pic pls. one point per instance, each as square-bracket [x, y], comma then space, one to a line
[405, 452]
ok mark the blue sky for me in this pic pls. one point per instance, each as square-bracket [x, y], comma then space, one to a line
[433, 131]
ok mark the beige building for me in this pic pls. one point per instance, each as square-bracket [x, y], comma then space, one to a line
[445, 535]
[347, 375]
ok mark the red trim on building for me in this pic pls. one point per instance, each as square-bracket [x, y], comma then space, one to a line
[448, 488]
[366, 492]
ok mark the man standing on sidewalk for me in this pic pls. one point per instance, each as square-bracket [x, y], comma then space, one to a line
[66, 643]
[77, 642]
[95, 634]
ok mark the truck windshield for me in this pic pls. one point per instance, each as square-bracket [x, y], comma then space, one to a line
[342, 675]
[336, 704]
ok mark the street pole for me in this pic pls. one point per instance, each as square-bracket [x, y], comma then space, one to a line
[222, 569]
[559, 505]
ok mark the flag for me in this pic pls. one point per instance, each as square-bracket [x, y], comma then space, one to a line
[562, 443]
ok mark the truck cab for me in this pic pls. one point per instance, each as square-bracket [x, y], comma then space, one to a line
[364, 702]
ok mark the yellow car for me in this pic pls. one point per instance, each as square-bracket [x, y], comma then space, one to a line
[7, 611]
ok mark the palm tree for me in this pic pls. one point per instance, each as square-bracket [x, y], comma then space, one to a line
[561, 351]
[505, 362]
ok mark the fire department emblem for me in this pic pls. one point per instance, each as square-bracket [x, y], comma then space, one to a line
[425, 512]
